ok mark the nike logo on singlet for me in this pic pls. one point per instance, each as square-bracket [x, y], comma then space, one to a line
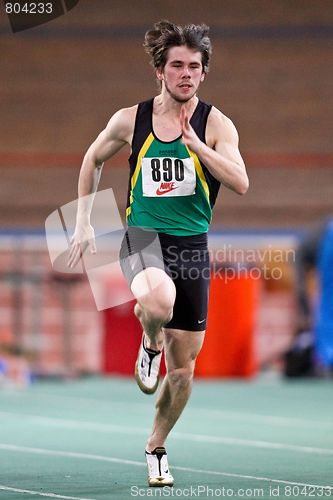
[165, 187]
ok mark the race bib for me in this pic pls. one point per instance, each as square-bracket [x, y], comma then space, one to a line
[164, 177]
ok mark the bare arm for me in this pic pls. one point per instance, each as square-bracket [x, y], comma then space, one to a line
[223, 158]
[117, 133]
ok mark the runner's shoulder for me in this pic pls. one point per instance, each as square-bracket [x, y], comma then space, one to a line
[127, 113]
[121, 124]
[125, 117]
[219, 123]
[216, 117]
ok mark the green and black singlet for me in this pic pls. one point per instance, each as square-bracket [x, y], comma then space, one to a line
[170, 190]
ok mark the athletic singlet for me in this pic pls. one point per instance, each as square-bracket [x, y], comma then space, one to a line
[170, 189]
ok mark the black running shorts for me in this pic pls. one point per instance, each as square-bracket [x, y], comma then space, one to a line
[184, 258]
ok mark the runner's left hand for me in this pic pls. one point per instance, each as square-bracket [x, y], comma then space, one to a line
[190, 138]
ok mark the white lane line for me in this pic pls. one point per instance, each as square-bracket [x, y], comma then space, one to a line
[71, 454]
[202, 438]
[49, 495]
[233, 415]
[103, 458]
[74, 424]
[199, 438]
[266, 419]
[258, 478]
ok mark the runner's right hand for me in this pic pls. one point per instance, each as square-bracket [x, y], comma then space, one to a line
[84, 236]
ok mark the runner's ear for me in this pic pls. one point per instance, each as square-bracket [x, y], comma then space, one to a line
[159, 73]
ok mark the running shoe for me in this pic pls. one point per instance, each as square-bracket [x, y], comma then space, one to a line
[147, 368]
[158, 468]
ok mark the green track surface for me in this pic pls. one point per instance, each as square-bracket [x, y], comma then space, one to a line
[85, 439]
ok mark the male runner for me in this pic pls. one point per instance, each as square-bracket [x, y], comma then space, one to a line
[181, 150]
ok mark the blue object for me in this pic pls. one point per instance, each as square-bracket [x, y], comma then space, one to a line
[324, 320]
[3, 369]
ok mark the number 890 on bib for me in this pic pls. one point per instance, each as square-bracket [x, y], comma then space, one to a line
[168, 177]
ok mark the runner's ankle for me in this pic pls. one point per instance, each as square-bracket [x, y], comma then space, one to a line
[154, 345]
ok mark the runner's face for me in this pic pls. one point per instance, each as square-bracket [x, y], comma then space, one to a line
[182, 73]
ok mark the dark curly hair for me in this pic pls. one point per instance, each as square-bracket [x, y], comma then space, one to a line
[166, 35]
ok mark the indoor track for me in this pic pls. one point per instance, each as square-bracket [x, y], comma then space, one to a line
[85, 440]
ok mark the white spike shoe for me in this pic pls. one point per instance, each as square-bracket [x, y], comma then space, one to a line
[147, 368]
[158, 468]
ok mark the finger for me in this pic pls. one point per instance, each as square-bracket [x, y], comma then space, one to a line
[186, 121]
[72, 246]
[92, 244]
[71, 252]
[184, 111]
[182, 116]
[74, 256]
[77, 253]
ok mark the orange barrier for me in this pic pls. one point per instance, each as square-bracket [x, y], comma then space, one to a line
[228, 349]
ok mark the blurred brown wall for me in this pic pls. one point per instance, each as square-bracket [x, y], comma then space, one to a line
[271, 72]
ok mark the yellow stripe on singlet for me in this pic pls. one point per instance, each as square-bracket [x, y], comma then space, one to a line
[199, 171]
[135, 176]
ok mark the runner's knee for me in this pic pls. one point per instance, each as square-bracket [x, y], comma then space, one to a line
[181, 377]
[158, 304]
[158, 309]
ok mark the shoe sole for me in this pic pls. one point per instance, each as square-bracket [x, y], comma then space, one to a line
[144, 388]
[156, 482]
